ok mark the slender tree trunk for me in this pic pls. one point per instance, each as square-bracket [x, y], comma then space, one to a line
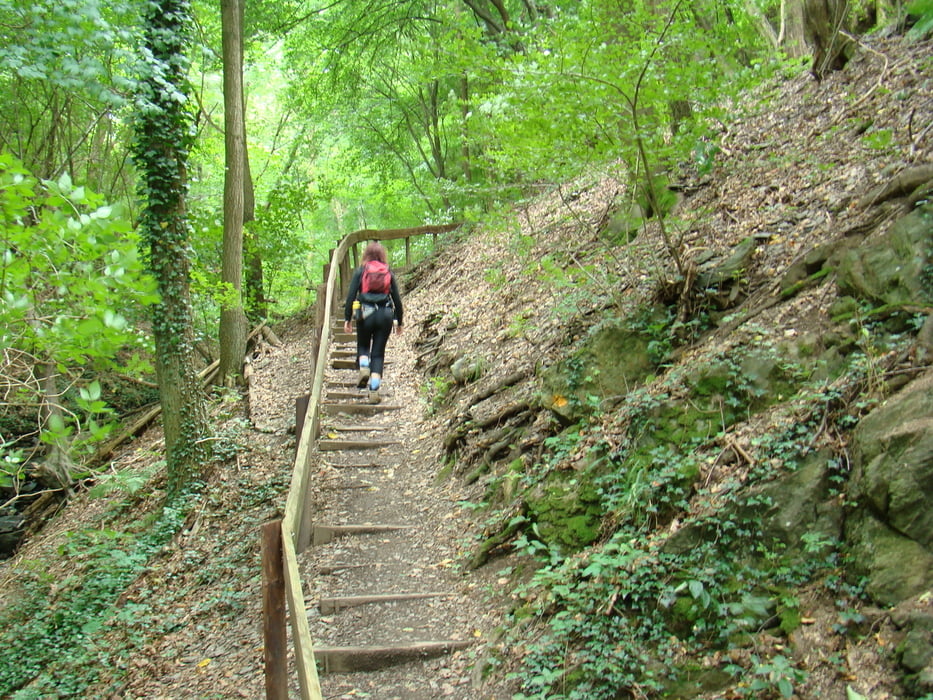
[254, 284]
[256, 303]
[163, 137]
[464, 95]
[55, 468]
[233, 326]
[793, 38]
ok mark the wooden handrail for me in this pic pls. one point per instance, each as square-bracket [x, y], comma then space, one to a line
[295, 522]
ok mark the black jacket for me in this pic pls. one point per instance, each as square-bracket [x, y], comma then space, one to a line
[354, 292]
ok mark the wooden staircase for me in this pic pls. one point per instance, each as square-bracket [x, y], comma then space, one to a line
[377, 599]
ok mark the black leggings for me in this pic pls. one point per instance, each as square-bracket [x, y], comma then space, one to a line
[372, 334]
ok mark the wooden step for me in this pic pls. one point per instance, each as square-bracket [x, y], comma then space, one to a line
[340, 568]
[358, 394]
[350, 659]
[357, 409]
[357, 465]
[341, 383]
[357, 428]
[329, 606]
[322, 534]
[347, 487]
[339, 445]
[337, 363]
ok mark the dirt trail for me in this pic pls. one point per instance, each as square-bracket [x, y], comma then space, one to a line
[391, 481]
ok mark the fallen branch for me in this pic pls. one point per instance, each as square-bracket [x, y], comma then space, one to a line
[206, 376]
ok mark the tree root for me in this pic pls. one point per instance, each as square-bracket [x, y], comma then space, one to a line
[508, 527]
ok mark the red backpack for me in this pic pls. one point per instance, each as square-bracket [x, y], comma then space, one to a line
[376, 278]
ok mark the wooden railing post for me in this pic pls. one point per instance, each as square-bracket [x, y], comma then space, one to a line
[345, 274]
[275, 642]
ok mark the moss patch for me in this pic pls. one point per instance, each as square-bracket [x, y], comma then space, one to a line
[567, 510]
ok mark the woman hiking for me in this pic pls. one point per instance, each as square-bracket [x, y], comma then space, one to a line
[374, 298]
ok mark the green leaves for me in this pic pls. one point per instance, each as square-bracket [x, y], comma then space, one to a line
[69, 279]
[68, 271]
[923, 11]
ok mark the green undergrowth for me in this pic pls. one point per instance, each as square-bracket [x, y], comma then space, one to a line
[68, 634]
[647, 577]
[53, 644]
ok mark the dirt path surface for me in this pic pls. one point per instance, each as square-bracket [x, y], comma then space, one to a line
[390, 484]
[392, 480]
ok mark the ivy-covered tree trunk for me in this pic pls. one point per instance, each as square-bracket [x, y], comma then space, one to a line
[233, 329]
[163, 137]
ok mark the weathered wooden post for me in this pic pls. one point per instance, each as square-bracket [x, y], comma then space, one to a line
[275, 652]
[306, 525]
[341, 292]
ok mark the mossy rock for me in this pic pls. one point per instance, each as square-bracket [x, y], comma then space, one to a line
[726, 389]
[680, 423]
[727, 270]
[894, 461]
[896, 567]
[612, 361]
[786, 509]
[566, 510]
[467, 369]
[895, 268]
[696, 681]
[891, 530]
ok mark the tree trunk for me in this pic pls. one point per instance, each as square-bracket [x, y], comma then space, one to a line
[463, 95]
[254, 284]
[55, 468]
[793, 37]
[233, 325]
[762, 24]
[256, 303]
[163, 137]
[825, 22]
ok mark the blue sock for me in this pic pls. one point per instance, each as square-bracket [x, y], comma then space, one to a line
[364, 361]
[374, 383]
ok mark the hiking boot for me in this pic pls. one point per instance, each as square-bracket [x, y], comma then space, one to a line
[363, 379]
[374, 396]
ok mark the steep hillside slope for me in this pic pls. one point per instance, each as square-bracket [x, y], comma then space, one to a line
[691, 443]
